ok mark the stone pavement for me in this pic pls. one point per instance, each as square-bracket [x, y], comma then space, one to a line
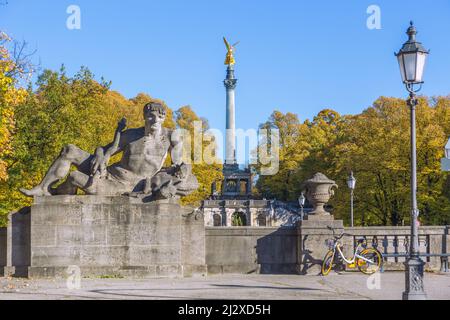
[349, 285]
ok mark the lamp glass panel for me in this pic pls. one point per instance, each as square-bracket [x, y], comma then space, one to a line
[402, 66]
[301, 200]
[410, 61]
[351, 183]
[421, 57]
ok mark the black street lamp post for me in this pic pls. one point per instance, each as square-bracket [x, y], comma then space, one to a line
[411, 59]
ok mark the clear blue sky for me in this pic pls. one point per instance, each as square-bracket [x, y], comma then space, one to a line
[297, 56]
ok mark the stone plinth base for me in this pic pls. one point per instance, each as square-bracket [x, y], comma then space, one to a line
[312, 248]
[115, 236]
[153, 271]
[7, 271]
[322, 217]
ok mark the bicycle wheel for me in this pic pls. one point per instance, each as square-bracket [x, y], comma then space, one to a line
[374, 263]
[327, 263]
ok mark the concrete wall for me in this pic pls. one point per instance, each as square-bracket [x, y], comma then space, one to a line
[251, 249]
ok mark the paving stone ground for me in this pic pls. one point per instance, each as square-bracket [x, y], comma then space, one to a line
[349, 285]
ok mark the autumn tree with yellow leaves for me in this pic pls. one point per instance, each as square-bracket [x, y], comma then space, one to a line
[376, 146]
[11, 71]
[79, 110]
[206, 171]
[35, 124]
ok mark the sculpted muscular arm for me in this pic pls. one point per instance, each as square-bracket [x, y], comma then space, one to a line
[103, 154]
[176, 147]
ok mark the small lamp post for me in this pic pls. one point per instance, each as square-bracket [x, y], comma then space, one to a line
[445, 162]
[301, 202]
[411, 59]
[351, 183]
[447, 149]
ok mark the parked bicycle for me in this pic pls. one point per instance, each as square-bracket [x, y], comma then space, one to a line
[368, 260]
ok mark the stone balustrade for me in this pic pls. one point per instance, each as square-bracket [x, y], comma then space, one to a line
[396, 240]
[278, 250]
[236, 203]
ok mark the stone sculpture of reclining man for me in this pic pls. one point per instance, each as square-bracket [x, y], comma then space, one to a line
[138, 172]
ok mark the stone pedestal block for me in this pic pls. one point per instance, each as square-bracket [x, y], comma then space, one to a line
[115, 236]
[15, 244]
[312, 234]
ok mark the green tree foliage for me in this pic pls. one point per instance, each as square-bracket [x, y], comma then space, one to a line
[66, 109]
[236, 220]
[206, 173]
[62, 110]
[279, 185]
[376, 146]
[13, 68]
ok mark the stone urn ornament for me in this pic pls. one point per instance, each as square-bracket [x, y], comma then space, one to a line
[319, 189]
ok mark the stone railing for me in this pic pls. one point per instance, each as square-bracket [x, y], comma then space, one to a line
[279, 250]
[396, 240]
[236, 203]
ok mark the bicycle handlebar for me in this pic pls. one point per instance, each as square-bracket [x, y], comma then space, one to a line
[341, 235]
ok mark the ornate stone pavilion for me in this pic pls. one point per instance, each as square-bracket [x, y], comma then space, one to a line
[235, 205]
[248, 212]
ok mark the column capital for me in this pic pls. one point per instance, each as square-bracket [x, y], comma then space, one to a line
[230, 83]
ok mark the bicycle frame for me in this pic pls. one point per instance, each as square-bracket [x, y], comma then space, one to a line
[337, 247]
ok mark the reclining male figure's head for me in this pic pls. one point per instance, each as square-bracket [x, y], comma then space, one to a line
[154, 115]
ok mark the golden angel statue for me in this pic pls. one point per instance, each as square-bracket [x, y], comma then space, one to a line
[229, 59]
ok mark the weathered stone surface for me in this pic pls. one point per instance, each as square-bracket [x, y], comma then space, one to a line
[312, 235]
[117, 235]
[18, 241]
[193, 255]
[44, 235]
[130, 239]
[251, 250]
[60, 256]
[319, 189]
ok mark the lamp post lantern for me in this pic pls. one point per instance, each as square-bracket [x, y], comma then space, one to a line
[301, 202]
[351, 183]
[411, 59]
